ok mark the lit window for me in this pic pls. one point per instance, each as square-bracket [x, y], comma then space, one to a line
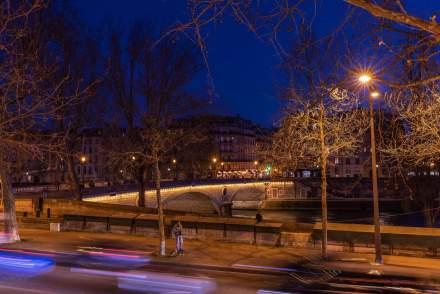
[306, 173]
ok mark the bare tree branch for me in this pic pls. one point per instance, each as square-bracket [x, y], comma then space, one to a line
[403, 18]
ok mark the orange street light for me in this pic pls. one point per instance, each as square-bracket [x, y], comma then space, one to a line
[133, 158]
[255, 162]
[364, 78]
[214, 160]
[83, 159]
[174, 161]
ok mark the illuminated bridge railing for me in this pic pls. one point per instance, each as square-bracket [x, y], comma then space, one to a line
[132, 193]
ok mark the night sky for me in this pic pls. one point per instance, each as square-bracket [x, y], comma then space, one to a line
[244, 68]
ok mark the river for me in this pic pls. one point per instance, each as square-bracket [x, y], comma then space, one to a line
[413, 219]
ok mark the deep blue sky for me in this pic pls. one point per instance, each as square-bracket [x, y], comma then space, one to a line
[244, 68]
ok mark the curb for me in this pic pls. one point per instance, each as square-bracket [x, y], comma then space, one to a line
[366, 261]
[354, 259]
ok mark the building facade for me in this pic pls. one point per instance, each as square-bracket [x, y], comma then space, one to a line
[235, 144]
[230, 150]
[92, 156]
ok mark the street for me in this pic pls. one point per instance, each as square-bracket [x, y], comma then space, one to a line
[84, 262]
[74, 274]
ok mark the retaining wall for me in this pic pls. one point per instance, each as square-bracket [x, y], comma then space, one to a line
[342, 237]
[199, 228]
[100, 217]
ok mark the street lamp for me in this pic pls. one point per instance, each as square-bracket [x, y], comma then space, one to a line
[214, 161]
[374, 94]
[256, 169]
[365, 79]
[174, 161]
[83, 160]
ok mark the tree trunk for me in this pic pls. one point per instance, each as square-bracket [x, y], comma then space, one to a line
[159, 206]
[428, 218]
[323, 183]
[8, 199]
[73, 178]
[429, 210]
[141, 191]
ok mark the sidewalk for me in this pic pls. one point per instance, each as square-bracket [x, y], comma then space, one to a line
[230, 256]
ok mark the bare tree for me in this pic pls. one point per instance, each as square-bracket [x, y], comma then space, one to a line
[80, 57]
[403, 41]
[395, 11]
[414, 104]
[126, 147]
[414, 147]
[269, 21]
[322, 120]
[326, 124]
[158, 75]
[30, 95]
[167, 70]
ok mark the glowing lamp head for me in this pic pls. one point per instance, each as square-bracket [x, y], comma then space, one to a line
[214, 160]
[255, 162]
[83, 159]
[374, 94]
[133, 158]
[365, 78]
[174, 161]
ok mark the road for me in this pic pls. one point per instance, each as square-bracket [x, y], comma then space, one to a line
[76, 275]
[68, 280]
[80, 262]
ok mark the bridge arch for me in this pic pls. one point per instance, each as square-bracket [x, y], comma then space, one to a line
[193, 202]
[248, 194]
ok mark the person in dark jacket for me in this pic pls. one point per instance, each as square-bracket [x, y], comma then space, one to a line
[178, 234]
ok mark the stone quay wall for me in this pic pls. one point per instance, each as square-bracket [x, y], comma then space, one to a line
[125, 219]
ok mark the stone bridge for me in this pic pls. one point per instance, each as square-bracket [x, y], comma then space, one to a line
[204, 199]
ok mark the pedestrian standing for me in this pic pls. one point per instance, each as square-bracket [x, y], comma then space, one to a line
[224, 194]
[177, 231]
